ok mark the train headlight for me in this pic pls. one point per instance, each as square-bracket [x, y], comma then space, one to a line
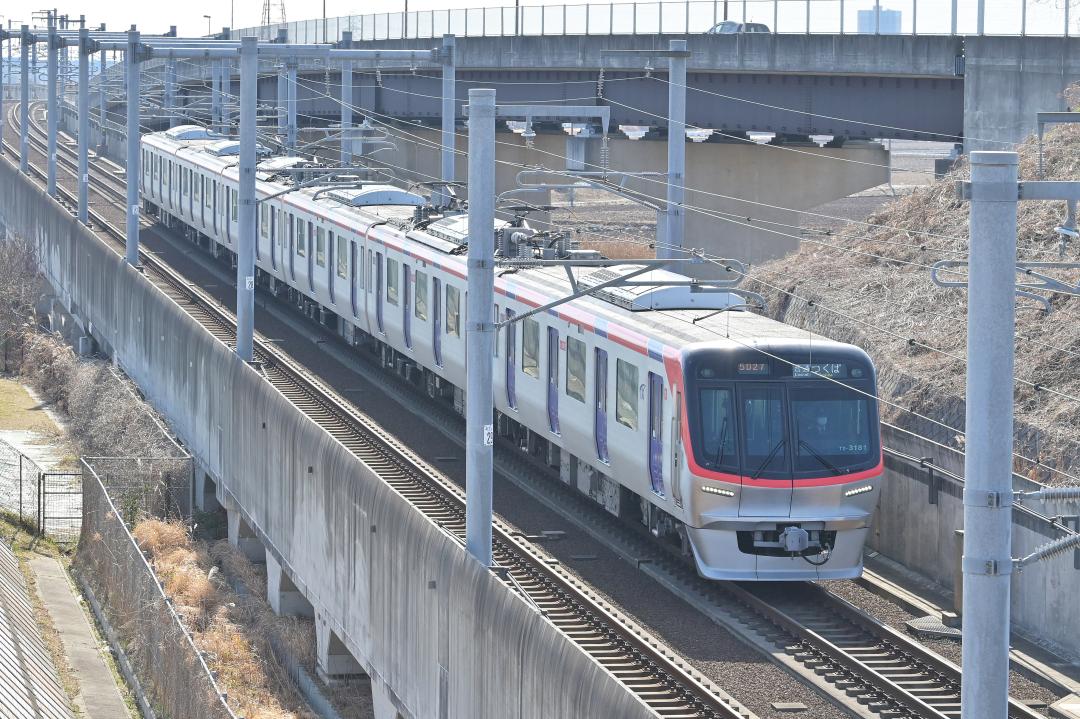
[859, 490]
[717, 490]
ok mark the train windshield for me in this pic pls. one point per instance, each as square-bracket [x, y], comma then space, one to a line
[831, 425]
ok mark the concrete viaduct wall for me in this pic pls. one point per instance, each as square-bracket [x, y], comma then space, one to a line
[438, 636]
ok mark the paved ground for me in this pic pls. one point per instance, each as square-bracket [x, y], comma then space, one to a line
[30, 687]
[98, 696]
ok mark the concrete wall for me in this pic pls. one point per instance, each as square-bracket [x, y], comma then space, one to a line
[421, 617]
[922, 536]
[1008, 80]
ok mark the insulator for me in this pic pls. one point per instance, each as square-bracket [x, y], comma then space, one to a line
[1052, 549]
[605, 153]
[1059, 493]
[378, 76]
[600, 84]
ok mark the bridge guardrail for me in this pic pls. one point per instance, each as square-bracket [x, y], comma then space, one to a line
[884, 17]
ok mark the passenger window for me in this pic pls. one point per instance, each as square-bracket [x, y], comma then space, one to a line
[575, 369]
[320, 247]
[208, 194]
[498, 331]
[421, 293]
[235, 204]
[342, 257]
[301, 241]
[453, 311]
[393, 281]
[264, 220]
[370, 264]
[530, 348]
[626, 394]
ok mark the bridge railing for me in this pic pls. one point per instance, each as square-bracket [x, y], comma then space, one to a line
[885, 17]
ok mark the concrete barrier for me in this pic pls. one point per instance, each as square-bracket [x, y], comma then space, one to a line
[438, 635]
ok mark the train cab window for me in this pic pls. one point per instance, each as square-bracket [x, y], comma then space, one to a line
[393, 281]
[453, 311]
[421, 295]
[626, 394]
[762, 425]
[342, 257]
[718, 427]
[530, 347]
[301, 241]
[320, 247]
[832, 428]
[575, 369]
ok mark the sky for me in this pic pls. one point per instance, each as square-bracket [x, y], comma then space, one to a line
[1045, 16]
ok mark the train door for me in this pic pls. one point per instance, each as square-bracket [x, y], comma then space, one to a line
[227, 201]
[656, 432]
[215, 209]
[331, 267]
[511, 354]
[767, 485]
[436, 319]
[676, 448]
[600, 402]
[356, 269]
[274, 223]
[406, 314]
[310, 237]
[553, 379]
[379, 291]
[292, 249]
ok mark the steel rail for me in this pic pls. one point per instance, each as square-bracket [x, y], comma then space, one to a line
[659, 678]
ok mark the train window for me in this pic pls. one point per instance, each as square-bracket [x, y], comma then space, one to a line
[370, 264]
[264, 219]
[553, 379]
[498, 331]
[511, 351]
[185, 178]
[320, 247]
[208, 193]
[453, 311]
[717, 427]
[342, 256]
[234, 195]
[832, 428]
[626, 394]
[575, 369]
[393, 280]
[301, 241]
[530, 348]
[600, 416]
[421, 295]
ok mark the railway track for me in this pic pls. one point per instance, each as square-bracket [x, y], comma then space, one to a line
[658, 677]
[883, 671]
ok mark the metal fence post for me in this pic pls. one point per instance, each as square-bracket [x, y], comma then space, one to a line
[877, 17]
[982, 16]
[24, 98]
[245, 248]
[20, 487]
[953, 16]
[1023, 18]
[987, 562]
[841, 17]
[480, 330]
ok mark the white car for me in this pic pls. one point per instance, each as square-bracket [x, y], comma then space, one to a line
[730, 27]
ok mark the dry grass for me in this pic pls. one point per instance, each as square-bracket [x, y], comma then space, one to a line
[236, 630]
[18, 410]
[879, 277]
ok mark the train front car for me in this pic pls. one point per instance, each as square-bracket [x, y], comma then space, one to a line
[784, 459]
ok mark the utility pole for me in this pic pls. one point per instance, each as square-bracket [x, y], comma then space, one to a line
[51, 104]
[25, 44]
[675, 219]
[133, 165]
[479, 327]
[449, 115]
[245, 248]
[346, 102]
[987, 562]
[85, 53]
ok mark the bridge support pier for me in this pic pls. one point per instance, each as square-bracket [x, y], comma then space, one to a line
[206, 493]
[333, 659]
[382, 700]
[243, 537]
[282, 593]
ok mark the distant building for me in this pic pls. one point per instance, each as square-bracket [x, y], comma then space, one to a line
[890, 22]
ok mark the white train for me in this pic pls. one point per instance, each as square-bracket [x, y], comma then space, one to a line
[751, 443]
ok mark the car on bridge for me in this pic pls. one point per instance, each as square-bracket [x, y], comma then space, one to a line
[730, 27]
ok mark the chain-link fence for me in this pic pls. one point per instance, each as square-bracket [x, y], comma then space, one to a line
[18, 485]
[163, 653]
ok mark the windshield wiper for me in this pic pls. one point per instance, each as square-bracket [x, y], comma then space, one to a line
[768, 459]
[813, 452]
[720, 450]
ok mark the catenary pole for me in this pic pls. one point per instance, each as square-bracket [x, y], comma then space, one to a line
[51, 104]
[85, 56]
[346, 102]
[675, 220]
[449, 112]
[245, 249]
[101, 96]
[987, 561]
[133, 166]
[290, 131]
[170, 91]
[5, 79]
[24, 97]
[215, 95]
[479, 328]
